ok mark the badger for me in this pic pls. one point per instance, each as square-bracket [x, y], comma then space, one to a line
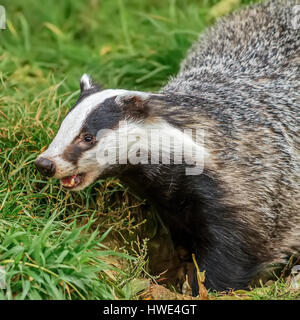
[216, 151]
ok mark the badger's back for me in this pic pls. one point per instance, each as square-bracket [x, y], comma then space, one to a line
[245, 72]
[257, 41]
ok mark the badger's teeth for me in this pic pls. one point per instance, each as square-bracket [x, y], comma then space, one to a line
[71, 181]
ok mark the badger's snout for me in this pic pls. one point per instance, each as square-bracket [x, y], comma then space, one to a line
[46, 167]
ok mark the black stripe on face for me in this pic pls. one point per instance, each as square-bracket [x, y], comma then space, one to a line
[73, 152]
[106, 115]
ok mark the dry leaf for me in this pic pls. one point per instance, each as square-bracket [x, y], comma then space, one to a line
[104, 50]
[203, 294]
[223, 7]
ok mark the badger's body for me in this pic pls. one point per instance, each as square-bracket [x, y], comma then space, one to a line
[240, 86]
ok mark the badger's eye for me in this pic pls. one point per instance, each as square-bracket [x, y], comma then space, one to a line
[88, 138]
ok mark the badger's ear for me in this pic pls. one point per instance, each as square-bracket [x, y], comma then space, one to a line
[86, 83]
[133, 103]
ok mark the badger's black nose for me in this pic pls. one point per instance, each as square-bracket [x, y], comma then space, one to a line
[46, 167]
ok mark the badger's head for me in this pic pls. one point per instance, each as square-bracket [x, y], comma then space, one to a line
[90, 127]
[107, 131]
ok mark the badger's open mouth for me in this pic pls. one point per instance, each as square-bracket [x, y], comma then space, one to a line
[72, 182]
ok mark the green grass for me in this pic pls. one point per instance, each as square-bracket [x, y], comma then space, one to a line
[52, 242]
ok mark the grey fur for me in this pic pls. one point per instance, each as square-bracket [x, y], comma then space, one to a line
[248, 68]
[240, 84]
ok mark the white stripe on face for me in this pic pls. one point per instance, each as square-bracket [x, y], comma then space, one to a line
[72, 124]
